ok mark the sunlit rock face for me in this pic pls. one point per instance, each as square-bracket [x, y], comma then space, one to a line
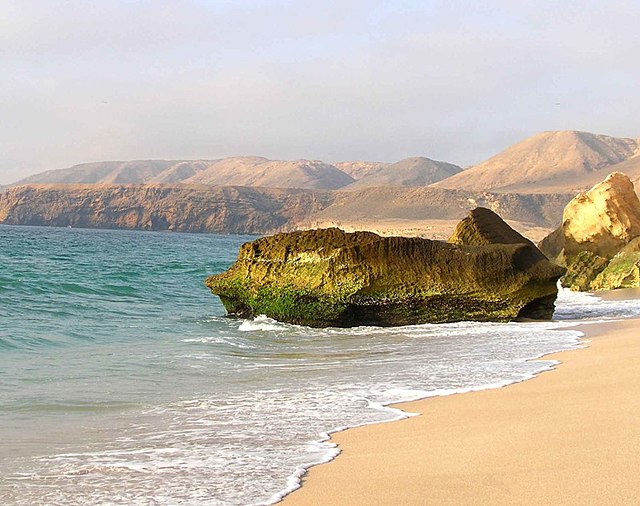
[596, 241]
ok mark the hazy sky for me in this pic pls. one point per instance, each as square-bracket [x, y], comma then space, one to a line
[376, 80]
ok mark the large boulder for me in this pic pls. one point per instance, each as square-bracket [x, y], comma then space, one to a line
[332, 278]
[482, 227]
[596, 239]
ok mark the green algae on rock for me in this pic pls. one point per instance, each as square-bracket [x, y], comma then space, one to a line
[329, 277]
[482, 227]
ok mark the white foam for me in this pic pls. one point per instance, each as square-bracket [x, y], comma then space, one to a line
[261, 323]
[257, 411]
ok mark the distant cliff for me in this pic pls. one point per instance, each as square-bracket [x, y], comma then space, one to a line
[226, 209]
[240, 209]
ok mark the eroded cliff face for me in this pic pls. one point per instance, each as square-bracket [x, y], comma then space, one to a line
[238, 209]
[225, 209]
[597, 238]
[331, 278]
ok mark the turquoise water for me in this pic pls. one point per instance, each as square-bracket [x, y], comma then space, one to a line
[122, 382]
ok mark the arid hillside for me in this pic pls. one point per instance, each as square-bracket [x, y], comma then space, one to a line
[261, 172]
[235, 209]
[548, 162]
[359, 169]
[416, 171]
[240, 171]
[433, 212]
[528, 184]
[131, 172]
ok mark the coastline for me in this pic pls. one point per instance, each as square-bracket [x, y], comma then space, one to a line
[570, 437]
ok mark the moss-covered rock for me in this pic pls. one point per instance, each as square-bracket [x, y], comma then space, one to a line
[582, 269]
[482, 227]
[623, 271]
[332, 278]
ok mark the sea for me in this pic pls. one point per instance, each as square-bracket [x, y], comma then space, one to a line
[123, 382]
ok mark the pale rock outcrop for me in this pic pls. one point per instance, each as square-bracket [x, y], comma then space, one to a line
[592, 241]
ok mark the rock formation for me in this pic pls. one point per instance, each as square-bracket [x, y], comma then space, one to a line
[223, 209]
[332, 278]
[596, 240]
[483, 227]
[245, 210]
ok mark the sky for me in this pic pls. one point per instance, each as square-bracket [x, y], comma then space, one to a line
[352, 80]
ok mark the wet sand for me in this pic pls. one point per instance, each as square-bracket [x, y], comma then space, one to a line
[568, 436]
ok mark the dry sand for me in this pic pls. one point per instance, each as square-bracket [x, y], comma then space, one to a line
[569, 436]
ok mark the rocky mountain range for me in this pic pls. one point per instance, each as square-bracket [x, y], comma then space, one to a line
[252, 171]
[528, 184]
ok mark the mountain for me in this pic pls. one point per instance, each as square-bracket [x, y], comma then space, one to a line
[359, 169]
[548, 162]
[630, 167]
[258, 171]
[181, 171]
[137, 171]
[416, 171]
[240, 171]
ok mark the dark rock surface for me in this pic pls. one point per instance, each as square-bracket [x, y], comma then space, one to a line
[331, 278]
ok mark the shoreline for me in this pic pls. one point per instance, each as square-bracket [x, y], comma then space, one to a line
[405, 468]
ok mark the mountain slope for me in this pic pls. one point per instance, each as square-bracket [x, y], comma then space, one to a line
[181, 171]
[383, 203]
[240, 171]
[549, 161]
[416, 171]
[359, 169]
[137, 171]
[258, 171]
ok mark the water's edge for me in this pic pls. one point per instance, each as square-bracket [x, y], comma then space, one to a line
[295, 481]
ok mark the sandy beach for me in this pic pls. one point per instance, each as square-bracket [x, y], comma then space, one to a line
[568, 436]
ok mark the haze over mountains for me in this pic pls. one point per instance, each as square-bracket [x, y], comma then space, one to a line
[238, 194]
[240, 171]
[558, 161]
[252, 171]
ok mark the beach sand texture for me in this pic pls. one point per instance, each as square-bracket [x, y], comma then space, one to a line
[570, 436]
